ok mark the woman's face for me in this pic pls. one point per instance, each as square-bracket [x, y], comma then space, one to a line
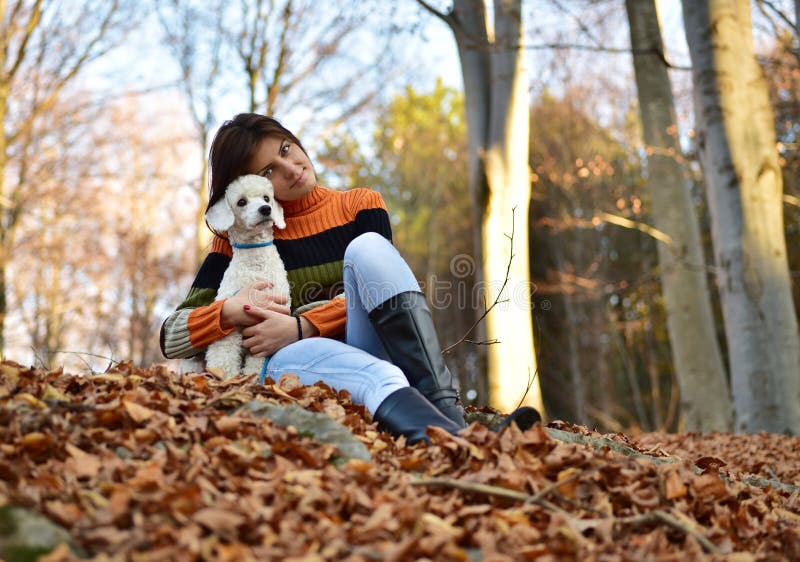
[286, 166]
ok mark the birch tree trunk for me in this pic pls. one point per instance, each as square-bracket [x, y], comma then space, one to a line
[497, 109]
[696, 356]
[736, 141]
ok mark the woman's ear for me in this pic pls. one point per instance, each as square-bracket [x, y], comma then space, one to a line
[220, 216]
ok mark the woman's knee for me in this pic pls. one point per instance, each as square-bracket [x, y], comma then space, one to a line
[365, 245]
[375, 270]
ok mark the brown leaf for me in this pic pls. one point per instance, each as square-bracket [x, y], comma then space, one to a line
[147, 478]
[218, 520]
[674, 487]
[119, 502]
[9, 374]
[36, 441]
[289, 382]
[185, 500]
[54, 395]
[137, 412]
[708, 486]
[217, 372]
[709, 464]
[61, 553]
[569, 489]
[83, 464]
[228, 424]
[30, 400]
[65, 513]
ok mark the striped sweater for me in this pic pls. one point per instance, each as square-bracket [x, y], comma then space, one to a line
[319, 227]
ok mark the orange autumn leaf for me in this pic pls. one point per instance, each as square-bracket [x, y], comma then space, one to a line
[196, 479]
[674, 487]
[137, 412]
[81, 463]
[218, 520]
[66, 513]
[568, 489]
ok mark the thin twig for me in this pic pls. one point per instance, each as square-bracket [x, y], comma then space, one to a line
[792, 25]
[547, 490]
[476, 342]
[497, 300]
[658, 516]
[530, 384]
[579, 47]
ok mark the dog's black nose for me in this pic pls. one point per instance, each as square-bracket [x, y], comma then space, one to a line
[265, 210]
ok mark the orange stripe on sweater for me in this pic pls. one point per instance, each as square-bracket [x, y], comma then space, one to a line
[221, 245]
[330, 214]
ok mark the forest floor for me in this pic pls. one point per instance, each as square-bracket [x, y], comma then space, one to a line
[143, 464]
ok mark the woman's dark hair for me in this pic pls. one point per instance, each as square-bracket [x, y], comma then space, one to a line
[233, 147]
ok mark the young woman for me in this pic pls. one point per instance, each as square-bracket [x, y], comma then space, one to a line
[360, 322]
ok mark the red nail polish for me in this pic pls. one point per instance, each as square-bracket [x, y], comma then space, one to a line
[247, 307]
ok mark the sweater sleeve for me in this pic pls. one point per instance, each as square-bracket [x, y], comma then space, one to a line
[198, 319]
[329, 318]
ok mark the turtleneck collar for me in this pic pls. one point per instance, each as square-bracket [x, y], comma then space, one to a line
[305, 203]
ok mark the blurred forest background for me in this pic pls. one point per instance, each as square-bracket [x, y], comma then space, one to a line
[108, 107]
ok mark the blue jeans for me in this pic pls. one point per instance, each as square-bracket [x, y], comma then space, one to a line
[374, 271]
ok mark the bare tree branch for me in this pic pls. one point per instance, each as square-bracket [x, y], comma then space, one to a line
[446, 18]
[778, 12]
[497, 300]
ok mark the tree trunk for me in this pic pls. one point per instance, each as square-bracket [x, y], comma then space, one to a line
[511, 362]
[696, 356]
[496, 99]
[736, 142]
[797, 17]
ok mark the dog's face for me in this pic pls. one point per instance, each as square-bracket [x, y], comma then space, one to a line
[249, 204]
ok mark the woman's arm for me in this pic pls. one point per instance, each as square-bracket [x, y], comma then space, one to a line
[272, 331]
[199, 319]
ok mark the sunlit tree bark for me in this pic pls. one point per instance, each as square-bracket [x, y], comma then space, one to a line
[696, 356]
[736, 142]
[496, 99]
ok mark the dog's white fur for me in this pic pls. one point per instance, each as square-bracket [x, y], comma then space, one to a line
[248, 212]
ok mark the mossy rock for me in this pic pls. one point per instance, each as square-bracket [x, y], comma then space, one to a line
[26, 535]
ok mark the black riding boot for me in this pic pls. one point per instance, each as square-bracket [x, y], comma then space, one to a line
[405, 327]
[407, 412]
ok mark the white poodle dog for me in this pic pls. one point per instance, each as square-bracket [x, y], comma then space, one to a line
[248, 211]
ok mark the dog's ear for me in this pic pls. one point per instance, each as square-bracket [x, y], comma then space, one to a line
[277, 215]
[220, 216]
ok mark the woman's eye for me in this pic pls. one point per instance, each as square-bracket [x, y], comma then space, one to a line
[242, 202]
[266, 198]
[267, 173]
[285, 149]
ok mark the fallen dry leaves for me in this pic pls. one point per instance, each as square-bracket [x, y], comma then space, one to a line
[144, 464]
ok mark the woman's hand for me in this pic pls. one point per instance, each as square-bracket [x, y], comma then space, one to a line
[272, 332]
[258, 295]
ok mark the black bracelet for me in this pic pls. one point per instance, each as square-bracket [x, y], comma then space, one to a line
[299, 329]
